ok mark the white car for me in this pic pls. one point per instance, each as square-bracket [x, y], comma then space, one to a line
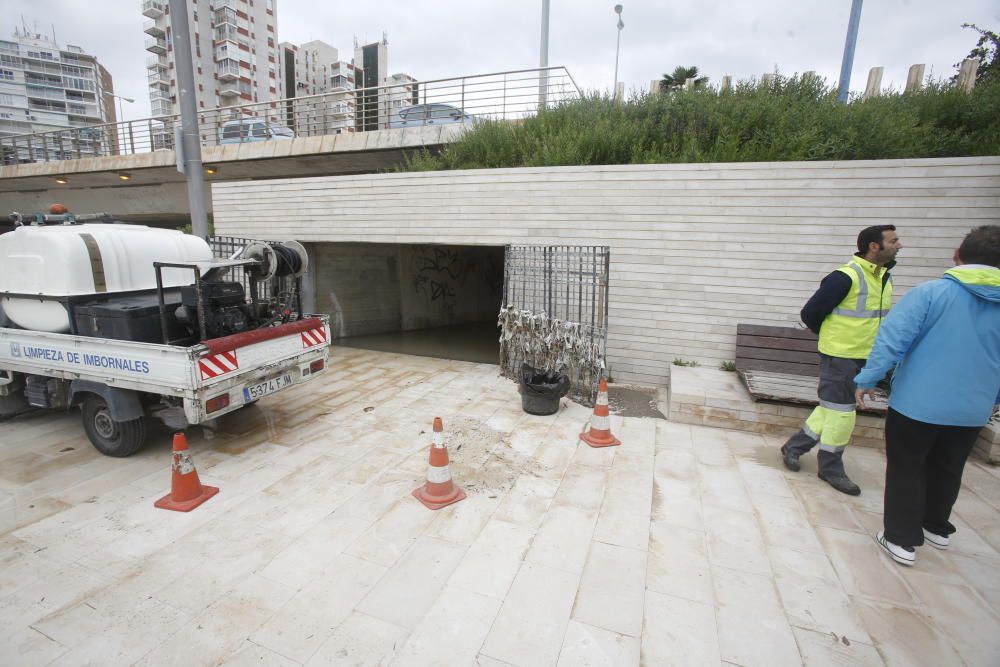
[246, 130]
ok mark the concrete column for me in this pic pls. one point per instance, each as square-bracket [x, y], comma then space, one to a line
[727, 84]
[967, 75]
[309, 280]
[874, 87]
[915, 79]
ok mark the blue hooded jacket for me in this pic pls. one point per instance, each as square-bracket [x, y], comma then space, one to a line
[945, 337]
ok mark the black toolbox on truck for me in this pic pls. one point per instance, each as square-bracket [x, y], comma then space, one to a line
[135, 318]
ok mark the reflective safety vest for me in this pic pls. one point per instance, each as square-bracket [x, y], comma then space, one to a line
[849, 331]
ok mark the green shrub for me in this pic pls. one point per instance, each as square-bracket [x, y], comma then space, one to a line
[792, 118]
[729, 366]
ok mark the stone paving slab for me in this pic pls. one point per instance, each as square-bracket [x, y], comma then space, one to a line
[687, 545]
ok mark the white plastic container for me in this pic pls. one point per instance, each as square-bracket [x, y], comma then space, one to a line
[72, 260]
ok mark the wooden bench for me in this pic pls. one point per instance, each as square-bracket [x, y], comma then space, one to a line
[781, 364]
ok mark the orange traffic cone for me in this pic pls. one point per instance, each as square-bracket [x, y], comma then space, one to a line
[600, 423]
[186, 491]
[439, 491]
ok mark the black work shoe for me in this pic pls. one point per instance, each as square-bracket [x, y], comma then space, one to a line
[790, 458]
[842, 483]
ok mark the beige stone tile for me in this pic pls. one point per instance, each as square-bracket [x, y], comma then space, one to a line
[672, 434]
[462, 522]
[252, 655]
[825, 650]
[452, 631]
[763, 478]
[625, 514]
[980, 573]
[710, 448]
[360, 641]
[903, 636]
[971, 626]
[306, 620]
[307, 556]
[768, 640]
[410, 587]
[734, 541]
[59, 589]
[563, 540]
[678, 565]
[582, 488]
[526, 503]
[802, 567]
[679, 632]
[966, 540]
[824, 506]
[675, 466]
[532, 622]
[492, 562]
[587, 646]
[722, 486]
[863, 568]
[683, 511]
[783, 522]
[110, 635]
[824, 608]
[395, 531]
[611, 589]
[223, 627]
[28, 647]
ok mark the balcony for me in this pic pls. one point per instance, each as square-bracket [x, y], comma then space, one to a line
[161, 107]
[159, 93]
[157, 46]
[153, 9]
[230, 88]
[157, 74]
[153, 29]
[228, 70]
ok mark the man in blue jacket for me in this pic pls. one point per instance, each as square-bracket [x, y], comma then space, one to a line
[945, 337]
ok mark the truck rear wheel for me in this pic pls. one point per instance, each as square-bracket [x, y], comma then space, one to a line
[110, 437]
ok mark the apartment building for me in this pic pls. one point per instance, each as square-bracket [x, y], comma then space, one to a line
[234, 51]
[45, 87]
[321, 87]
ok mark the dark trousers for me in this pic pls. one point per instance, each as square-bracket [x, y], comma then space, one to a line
[923, 475]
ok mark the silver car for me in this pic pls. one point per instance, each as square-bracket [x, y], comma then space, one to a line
[429, 114]
[247, 130]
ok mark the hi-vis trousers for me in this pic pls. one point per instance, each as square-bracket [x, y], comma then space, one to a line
[830, 425]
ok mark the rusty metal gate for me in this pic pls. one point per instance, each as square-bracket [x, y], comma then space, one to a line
[554, 315]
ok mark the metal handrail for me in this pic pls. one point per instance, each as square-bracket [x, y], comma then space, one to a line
[507, 95]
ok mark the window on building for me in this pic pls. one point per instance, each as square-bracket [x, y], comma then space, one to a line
[6, 99]
[10, 61]
[6, 74]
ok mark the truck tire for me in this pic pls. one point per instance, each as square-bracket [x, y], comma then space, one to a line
[111, 438]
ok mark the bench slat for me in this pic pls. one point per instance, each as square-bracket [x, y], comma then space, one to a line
[773, 342]
[777, 332]
[809, 370]
[770, 354]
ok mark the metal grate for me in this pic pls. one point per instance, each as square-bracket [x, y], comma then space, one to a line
[555, 313]
[228, 247]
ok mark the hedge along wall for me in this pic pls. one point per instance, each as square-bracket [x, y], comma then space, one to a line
[695, 248]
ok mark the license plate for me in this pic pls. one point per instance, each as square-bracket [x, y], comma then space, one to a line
[252, 392]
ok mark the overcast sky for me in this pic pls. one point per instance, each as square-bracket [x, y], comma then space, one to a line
[431, 39]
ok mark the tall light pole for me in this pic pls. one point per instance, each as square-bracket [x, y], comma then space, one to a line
[121, 114]
[621, 24]
[847, 64]
[543, 57]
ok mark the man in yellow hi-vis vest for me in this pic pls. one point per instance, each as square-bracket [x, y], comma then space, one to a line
[846, 311]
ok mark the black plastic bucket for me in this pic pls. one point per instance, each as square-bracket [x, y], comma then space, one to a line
[540, 392]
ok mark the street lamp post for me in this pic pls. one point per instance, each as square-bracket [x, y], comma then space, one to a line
[621, 24]
[121, 113]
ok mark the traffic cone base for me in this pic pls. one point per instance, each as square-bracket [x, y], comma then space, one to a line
[438, 491]
[437, 502]
[167, 502]
[599, 434]
[186, 489]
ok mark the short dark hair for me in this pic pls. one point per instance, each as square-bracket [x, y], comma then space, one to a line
[981, 246]
[872, 235]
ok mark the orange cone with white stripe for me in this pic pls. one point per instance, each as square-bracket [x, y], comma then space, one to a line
[599, 434]
[186, 490]
[439, 491]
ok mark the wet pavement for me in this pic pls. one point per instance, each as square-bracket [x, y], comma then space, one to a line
[687, 545]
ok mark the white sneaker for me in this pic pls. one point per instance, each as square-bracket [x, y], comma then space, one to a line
[935, 540]
[897, 553]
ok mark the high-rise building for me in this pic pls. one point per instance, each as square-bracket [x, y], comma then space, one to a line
[319, 87]
[45, 86]
[233, 47]
[371, 64]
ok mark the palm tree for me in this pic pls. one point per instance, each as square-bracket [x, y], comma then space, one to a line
[679, 77]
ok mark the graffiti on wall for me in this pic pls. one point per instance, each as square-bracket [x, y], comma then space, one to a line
[436, 273]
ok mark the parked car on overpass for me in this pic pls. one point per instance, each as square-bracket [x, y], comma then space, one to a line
[245, 130]
[429, 114]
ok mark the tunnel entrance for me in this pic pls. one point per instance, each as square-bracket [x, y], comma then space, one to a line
[427, 300]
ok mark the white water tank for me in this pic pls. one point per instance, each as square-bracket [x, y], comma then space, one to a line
[72, 260]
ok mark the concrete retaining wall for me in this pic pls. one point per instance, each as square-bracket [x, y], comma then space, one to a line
[695, 248]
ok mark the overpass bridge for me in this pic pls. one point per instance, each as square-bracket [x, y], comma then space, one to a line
[129, 168]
